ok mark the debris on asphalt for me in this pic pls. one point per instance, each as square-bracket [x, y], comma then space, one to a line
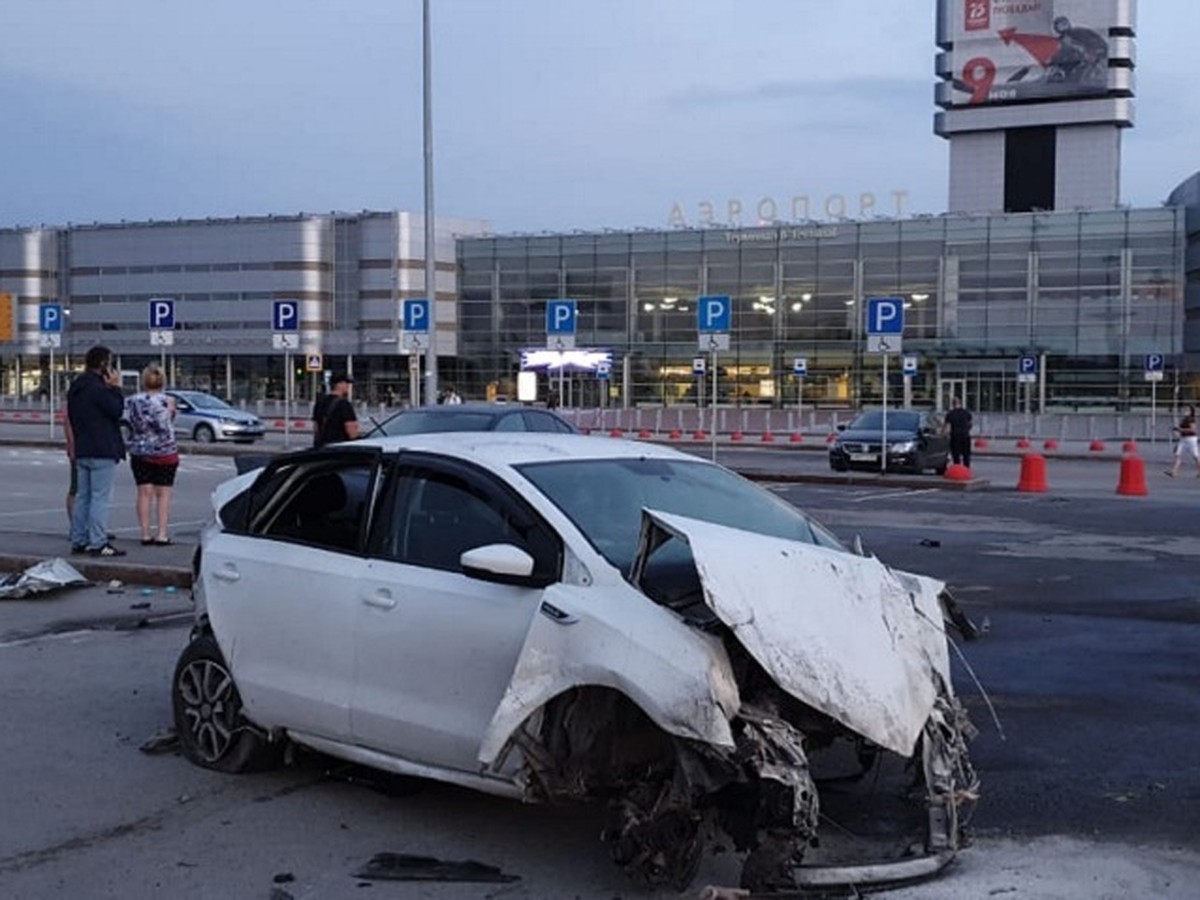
[139, 605]
[284, 878]
[162, 742]
[406, 867]
[930, 542]
[116, 587]
[47, 575]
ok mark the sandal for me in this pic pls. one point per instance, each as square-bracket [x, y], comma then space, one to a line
[107, 551]
[160, 542]
[146, 542]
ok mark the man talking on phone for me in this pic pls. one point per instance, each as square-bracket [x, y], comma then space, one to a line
[94, 408]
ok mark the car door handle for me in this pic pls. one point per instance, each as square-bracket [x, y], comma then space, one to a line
[381, 599]
[227, 573]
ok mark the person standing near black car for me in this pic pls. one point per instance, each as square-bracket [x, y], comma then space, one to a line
[94, 408]
[333, 414]
[958, 422]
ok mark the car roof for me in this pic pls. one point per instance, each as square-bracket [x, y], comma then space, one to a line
[499, 450]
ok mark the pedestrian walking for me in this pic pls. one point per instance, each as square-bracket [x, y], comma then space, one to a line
[333, 414]
[958, 423]
[94, 407]
[1186, 429]
[153, 455]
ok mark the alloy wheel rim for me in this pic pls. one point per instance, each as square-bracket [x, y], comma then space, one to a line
[210, 707]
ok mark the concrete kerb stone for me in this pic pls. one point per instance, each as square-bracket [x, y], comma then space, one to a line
[102, 571]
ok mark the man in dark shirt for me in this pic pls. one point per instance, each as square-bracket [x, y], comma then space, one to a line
[94, 408]
[333, 415]
[958, 421]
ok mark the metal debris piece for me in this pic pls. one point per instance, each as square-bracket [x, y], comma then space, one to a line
[48, 575]
[161, 742]
[406, 867]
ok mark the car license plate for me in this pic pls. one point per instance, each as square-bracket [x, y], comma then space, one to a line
[864, 457]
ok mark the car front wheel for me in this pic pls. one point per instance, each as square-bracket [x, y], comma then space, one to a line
[212, 731]
[204, 434]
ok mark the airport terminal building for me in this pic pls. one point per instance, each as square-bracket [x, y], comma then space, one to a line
[1036, 257]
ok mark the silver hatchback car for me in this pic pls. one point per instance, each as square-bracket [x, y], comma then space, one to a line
[204, 418]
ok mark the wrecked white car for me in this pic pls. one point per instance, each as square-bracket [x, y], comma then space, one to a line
[558, 617]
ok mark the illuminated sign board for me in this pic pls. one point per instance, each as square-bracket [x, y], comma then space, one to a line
[570, 360]
[1012, 51]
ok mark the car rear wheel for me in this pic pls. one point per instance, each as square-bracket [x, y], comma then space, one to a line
[212, 731]
[204, 434]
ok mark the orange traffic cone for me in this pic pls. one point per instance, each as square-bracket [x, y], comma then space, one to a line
[644, 434]
[957, 472]
[616, 432]
[767, 437]
[1022, 443]
[797, 437]
[1033, 474]
[1132, 482]
[1050, 444]
[981, 443]
[698, 434]
[737, 436]
[1096, 446]
[1130, 446]
[676, 434]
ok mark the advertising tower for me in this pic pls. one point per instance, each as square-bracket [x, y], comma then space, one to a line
[1034, 95]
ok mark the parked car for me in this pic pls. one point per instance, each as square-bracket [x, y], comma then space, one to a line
[473, 417]
[204, 418]
[914, 438]
[549, 617]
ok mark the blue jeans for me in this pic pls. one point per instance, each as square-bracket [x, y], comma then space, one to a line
[89, 525]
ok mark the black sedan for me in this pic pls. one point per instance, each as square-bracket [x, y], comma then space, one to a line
[472, 417]
[915, 443]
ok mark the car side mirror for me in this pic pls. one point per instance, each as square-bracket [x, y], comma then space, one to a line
[501, 563]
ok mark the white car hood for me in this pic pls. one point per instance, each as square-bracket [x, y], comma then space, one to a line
[844, 634]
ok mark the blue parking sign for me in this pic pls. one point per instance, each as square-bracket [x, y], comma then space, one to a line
[416, 315]
[713, 313]
[162, 314]
[1155, 362]
[285, 315]
[50, 318]
[885, 315]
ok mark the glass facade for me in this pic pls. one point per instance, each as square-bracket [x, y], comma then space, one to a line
[1090, 294]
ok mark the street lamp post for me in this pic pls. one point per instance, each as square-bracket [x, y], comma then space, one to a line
[431, 371]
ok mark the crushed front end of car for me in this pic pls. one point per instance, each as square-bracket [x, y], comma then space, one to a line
[824, 739]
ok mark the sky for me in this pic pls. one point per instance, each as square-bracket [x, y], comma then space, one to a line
[548, 115]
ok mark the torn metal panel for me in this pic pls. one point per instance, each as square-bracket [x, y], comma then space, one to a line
[844, 634]
[47, 575]
[679, 677]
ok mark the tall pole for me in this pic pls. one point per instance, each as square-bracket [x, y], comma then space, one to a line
[431, 371]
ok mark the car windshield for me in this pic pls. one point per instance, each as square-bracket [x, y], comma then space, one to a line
[896, 421]
[204, 401]
[605, 499]
[419, 421]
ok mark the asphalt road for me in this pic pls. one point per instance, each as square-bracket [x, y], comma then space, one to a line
[1092, 608]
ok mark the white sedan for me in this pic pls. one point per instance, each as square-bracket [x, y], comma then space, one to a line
[560, 617]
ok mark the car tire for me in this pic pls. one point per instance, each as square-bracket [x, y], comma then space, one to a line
[207, 708]
[204, 434]
[838, 466]
[940, 468]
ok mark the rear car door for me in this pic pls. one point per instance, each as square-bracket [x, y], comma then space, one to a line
[436, 648]
[280, 583]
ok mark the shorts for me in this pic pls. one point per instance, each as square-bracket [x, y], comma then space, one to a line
[157, 474]
[1188, 446]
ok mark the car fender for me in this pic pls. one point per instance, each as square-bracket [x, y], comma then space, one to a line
[679, 677]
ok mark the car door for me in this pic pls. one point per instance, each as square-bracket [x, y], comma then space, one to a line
[436, 648]
[185, 417]
[281, 590]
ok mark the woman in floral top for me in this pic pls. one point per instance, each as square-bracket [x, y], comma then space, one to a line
[153, 454]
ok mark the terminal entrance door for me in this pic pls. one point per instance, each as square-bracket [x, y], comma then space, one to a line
[948, 388]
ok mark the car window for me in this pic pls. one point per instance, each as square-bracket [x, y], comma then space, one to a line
[419, 421]
[605, 499]
[535, 420]
[322, 504]
[437, 515]
[512, 422]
